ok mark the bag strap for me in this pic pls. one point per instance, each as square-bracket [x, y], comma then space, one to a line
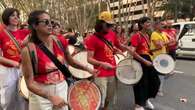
[141, 35]
[109, 44]
[33, 55]
[10, 35]
[54, 59]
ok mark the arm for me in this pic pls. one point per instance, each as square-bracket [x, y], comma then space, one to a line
[28, 74]
[8, 61]
[159, 45]
[33, 86]
[76, 64]
[135, 42]
[95, 62]
[138, 57]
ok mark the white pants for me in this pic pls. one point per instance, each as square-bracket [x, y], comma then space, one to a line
[108, 87]
[39, 103]
[9, 95]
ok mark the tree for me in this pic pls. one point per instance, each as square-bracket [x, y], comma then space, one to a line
[77, 14]
[180, 9]
[153, 7]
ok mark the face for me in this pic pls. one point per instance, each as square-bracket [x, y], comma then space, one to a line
[105, 28]
[158, 26]
[118, 29]
[135, 27]
[56, 30]
[14, 19]
[147, 25]
[44, 25]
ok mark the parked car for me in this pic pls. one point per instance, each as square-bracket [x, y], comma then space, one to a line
[186, 38]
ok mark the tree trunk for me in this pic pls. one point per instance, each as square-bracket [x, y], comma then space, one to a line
[143, 8]
[119, 12]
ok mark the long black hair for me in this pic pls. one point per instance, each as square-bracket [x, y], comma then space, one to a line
[33, 20]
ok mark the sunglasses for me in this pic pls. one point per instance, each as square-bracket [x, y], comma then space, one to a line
[45, 22]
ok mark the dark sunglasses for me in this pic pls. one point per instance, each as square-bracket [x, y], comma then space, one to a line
[45, 21]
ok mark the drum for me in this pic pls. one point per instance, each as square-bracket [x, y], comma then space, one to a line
[129, 71]
[118, 58]
[84, 95]
[23, 90]
[71, 49]
[82, 58]
[164, 64]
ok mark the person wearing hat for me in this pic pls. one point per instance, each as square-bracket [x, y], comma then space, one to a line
[101, 56]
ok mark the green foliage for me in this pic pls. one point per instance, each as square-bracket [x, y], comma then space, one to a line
[180, 8]
[77, 14]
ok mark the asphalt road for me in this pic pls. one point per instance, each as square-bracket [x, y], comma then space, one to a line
[180, 85]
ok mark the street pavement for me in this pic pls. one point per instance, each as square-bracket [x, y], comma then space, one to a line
[179, 86]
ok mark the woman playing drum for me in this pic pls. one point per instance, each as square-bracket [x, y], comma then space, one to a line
[48, 86]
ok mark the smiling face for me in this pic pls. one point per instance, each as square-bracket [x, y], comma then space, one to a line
[14, 19]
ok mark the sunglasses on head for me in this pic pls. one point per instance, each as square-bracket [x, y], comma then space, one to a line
[45, 21]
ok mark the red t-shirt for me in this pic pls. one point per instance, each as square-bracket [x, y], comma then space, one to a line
[102, 52]
[48, 73]
[171, 34]
[141, 43]
[121, 39]
[8, 47]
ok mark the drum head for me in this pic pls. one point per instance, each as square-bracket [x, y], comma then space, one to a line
[164, 63]
[71, 49]
[23, 88]
[84, 95]
[118, 58]
[82, 58]
[129, 71]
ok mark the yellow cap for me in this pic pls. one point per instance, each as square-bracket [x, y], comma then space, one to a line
[107, 17]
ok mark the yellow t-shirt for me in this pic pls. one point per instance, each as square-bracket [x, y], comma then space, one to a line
[156, 36]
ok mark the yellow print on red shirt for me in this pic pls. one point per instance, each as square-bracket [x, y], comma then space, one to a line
[108, 52]
[12, 49]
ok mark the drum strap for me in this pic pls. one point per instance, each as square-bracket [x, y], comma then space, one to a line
[10, 35]
[109, 44]
[33, 54]
[53, 58]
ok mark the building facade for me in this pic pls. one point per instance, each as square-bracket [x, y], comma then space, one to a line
[126, 11]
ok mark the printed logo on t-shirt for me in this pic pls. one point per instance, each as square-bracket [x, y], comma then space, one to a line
[12, 49]
[108, 53]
